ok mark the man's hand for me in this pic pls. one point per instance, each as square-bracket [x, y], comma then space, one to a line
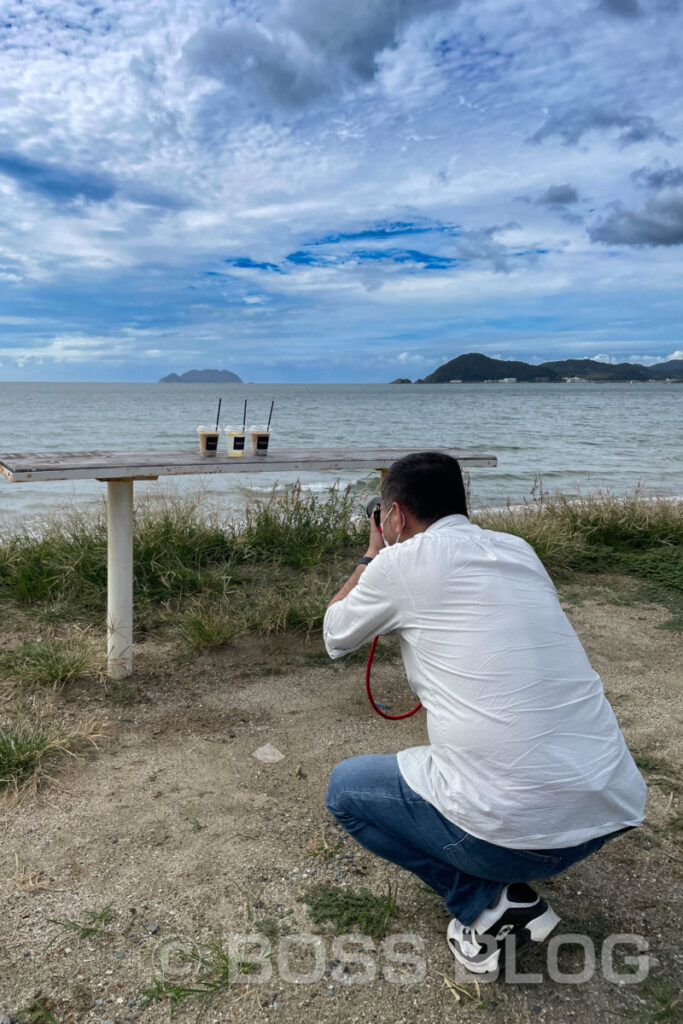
[374, 547]
[376, 543]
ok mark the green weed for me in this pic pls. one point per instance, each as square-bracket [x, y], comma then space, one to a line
[217, 972]
[48, 662]
[297, 528]
[350, 909]
[30, 748]
[658, 772]
[594, 924]
[62, 563]
[662, 1002]
[208, 624]
[322, 848]
[94, 923]
[37, 1012]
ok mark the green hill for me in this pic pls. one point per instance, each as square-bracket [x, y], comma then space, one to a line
[203, 377]
[477, 367]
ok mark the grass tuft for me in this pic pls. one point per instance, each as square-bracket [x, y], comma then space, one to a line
[658, 772]
[350, 909]
[61, 563]
[52, 661]
[94, 923]
[218, 970]
[208, 624]
[206, 579]
[29, 749]
[299, 528]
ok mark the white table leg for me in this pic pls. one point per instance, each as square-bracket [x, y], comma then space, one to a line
[119, 578]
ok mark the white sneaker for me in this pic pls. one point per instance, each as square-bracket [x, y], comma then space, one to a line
[519, 911]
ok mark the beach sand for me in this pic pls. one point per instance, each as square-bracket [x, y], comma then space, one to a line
[176, 826]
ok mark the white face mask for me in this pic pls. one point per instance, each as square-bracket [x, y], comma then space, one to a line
[399, 532]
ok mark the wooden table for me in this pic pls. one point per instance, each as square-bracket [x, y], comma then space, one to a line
[120, 469]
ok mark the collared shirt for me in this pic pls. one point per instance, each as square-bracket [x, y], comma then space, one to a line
[524, 749]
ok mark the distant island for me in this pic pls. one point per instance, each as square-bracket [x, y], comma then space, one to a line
[202, 377]
[477, 368]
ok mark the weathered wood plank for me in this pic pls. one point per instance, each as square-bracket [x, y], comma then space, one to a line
[20, 467]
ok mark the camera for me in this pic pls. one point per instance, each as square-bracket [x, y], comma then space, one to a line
[372, 508]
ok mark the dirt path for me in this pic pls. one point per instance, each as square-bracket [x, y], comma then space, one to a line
[190, 839]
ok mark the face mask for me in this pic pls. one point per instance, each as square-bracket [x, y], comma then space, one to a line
[399, 532]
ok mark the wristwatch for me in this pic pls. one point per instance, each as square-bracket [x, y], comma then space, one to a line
[365, 560]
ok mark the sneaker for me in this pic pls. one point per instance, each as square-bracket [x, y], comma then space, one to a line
[519, 911]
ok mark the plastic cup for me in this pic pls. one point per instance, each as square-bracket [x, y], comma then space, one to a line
[208, 440]
[260, 436]
[235, 438]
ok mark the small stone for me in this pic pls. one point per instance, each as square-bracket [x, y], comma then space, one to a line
[268, 754]
[120, 954]
[4, 1019]
[152, 928]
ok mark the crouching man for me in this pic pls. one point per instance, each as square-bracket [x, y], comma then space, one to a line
[526, 770]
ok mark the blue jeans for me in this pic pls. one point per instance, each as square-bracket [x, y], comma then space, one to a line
[370, 800]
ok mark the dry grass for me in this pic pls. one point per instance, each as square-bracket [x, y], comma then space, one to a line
[31, 750]
[28, 880]
[50, 661]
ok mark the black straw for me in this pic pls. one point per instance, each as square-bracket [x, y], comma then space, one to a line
[218, 414]
[244, 416]
[270, 414]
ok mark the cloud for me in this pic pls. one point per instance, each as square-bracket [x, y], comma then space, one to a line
[660, 222]
[264, 67]
[632, 9]
[354, 32]
[664, 176]
[622, 8]
[571, 125]
[301, 50]
[56, 182]
[353, 161]
[66, 186]
[559, 195]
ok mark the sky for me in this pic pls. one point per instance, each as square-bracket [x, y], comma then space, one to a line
[337, 190]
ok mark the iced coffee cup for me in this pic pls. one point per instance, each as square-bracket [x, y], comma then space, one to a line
[260, 436]
[208, 440]
[235, 438]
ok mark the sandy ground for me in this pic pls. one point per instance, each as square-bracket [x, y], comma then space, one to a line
[191, 840]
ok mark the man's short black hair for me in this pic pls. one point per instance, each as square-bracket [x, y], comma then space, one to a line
[429, 484]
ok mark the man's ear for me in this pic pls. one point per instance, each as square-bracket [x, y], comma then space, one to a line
[401, 517]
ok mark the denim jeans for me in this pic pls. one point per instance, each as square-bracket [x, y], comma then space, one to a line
[370, 800]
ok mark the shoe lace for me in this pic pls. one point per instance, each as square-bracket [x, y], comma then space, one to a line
[468, 942]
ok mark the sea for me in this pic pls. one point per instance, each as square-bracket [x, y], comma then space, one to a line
[570, 438]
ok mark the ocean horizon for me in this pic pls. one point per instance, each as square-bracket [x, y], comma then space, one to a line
[573, 438]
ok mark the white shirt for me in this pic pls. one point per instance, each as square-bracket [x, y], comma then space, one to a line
[524, 750]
